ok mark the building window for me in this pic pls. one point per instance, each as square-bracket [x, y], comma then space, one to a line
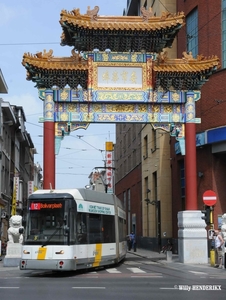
[124, 199]
[154, 140]
[146, 186]
[128, 195]
[129, 209]
[155, 194]
[192, 32]
[224, 33]
[155, 185]
[145, 153]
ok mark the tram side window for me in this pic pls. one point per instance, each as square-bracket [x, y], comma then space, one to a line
[122, 229]
[81, 228]
[101, 228]
[72, 226]
[108, 229]
[95, 229]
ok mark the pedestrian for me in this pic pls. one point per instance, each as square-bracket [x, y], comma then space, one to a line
[128, 242]
[219, 242]
[132, 240]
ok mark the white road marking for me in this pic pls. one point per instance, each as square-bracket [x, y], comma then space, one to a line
[9, 287]
[89, 287]
[136, 270]
[147, 276]
[194, 272]
[113, 271]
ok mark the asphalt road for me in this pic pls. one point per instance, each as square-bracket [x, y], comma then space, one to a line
[136, 278]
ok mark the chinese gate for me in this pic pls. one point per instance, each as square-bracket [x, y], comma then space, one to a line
[118, 72]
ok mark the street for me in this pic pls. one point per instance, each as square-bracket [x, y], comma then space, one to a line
[136, 278]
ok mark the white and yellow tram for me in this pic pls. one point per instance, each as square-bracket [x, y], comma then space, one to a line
[73, 229]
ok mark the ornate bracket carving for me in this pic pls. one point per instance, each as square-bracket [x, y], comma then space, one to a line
[44, 54]
[146, 14]
[93, 12]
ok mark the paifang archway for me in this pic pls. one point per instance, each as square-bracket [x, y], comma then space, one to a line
[118, 72]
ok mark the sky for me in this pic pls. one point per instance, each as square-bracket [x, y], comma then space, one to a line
[32, 26]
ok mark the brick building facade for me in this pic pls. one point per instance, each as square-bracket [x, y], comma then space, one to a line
[207, 38]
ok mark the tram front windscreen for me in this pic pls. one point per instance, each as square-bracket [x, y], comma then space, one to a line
[48, 222]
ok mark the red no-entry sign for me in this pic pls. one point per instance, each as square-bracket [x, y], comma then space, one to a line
[209, 198]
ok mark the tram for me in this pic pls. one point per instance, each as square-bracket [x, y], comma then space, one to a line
[73, 229]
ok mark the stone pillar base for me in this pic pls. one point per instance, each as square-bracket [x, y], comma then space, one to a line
[192, 237]
[13, 255]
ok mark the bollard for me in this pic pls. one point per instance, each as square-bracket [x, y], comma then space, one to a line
[212, 257]
[169, 256]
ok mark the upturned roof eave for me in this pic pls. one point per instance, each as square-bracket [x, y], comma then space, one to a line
[125, 22]
[187, 66]
[37, 61]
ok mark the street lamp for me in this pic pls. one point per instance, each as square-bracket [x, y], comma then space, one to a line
[147, 200]
[158, 208]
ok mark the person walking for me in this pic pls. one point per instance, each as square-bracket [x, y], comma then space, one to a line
[132, 241]
[219, 242]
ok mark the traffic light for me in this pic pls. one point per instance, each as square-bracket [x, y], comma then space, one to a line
[206, 213]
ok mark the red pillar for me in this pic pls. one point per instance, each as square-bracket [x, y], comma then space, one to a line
[190, 167]
[49, 142]
[49, 155]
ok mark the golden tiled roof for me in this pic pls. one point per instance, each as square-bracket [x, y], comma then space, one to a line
[47, 71]
[119, 33]
[183, 74]
[187, 64]
[140, 23]
[46, 60]
[180, 74]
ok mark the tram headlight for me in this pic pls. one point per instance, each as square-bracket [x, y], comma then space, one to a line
[26, 252]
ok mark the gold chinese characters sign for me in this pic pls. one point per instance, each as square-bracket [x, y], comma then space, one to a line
[119, 81]
[124, 77]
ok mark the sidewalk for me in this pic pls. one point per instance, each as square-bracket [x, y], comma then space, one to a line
[155, 256]
[173, 262]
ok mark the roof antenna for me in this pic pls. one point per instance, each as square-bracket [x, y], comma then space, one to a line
[51, 189]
